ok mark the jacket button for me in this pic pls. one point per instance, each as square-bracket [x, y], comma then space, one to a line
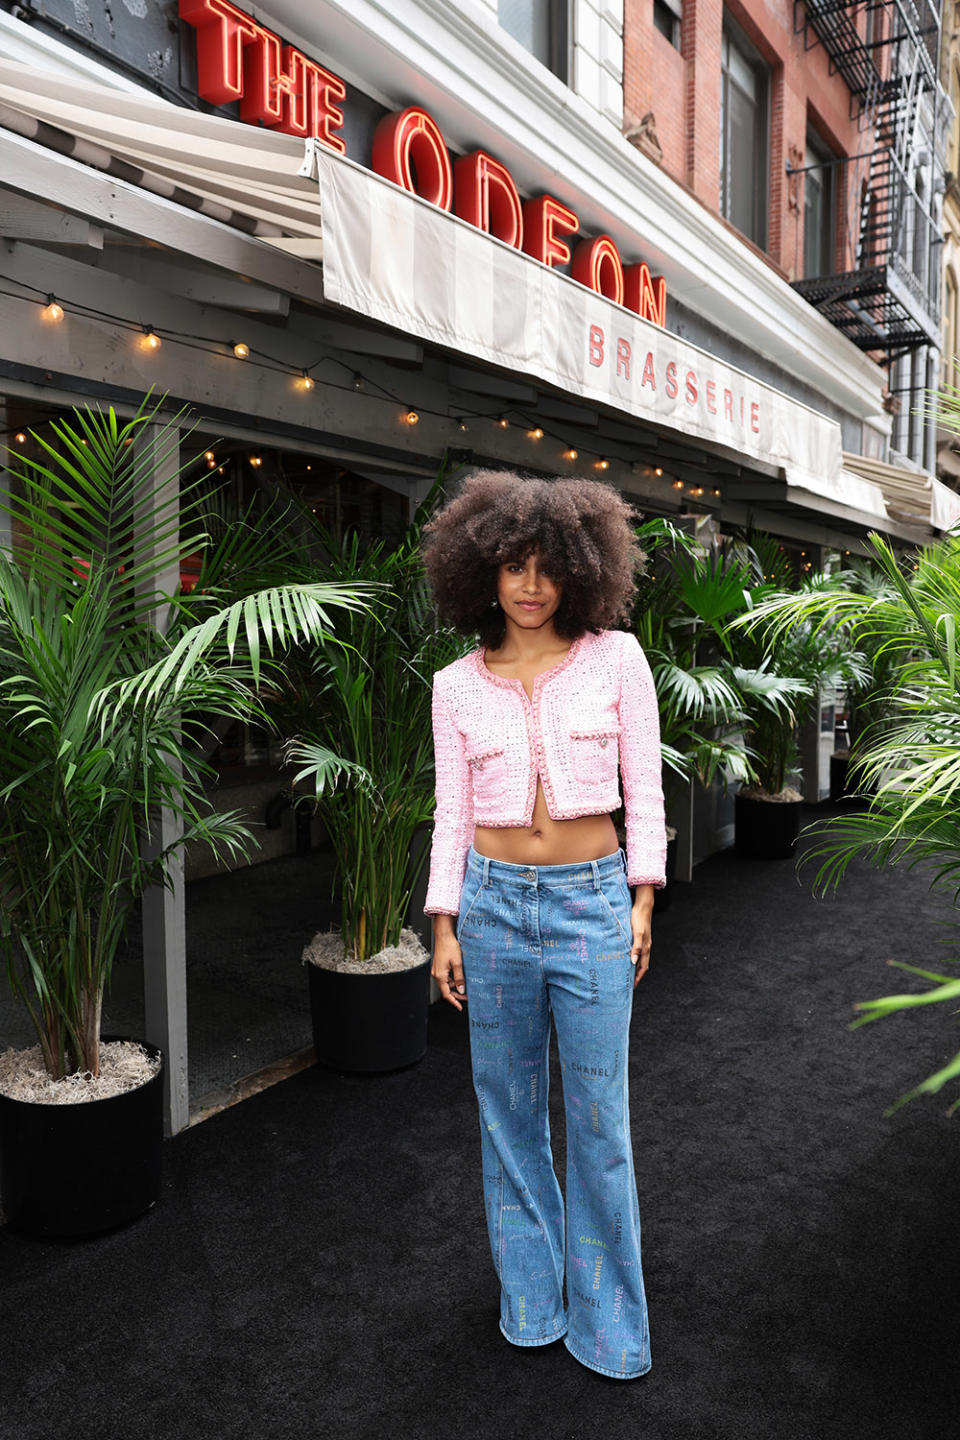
[603, 742]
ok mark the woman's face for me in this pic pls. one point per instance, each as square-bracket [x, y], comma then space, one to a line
[528, 596]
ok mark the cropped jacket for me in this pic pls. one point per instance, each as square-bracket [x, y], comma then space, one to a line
[592, 719]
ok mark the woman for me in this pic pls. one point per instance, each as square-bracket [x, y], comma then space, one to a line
[533, 916]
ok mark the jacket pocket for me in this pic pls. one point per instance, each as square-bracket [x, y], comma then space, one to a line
[595, 754]
[490, 773]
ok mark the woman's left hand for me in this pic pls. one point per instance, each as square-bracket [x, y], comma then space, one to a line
[641, 914]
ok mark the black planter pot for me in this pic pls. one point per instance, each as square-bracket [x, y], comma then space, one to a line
[766, 829]
[68, 1171]
[662, 898]
[364, 1024]
[839, 766]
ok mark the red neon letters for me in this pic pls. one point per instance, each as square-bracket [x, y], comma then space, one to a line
[645, 293]
[486, 196]
[545, 222]
[240, 61]
[409, 150]
[597, 263]
[237, 59]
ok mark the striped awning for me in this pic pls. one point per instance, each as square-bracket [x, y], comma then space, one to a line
[241, 175]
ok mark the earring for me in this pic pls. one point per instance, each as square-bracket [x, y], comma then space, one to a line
[494, 603]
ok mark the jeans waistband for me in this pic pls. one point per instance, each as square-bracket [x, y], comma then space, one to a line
[553, 877]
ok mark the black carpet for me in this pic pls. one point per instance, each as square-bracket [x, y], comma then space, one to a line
[318, 1266]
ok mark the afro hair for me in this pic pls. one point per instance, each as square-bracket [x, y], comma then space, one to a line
[583, 531]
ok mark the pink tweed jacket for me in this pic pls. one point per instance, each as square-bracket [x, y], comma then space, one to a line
[592, 715]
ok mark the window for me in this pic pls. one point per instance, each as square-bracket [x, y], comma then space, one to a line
[744, 125]
[819, 209]
[667, 15]
[541, 27]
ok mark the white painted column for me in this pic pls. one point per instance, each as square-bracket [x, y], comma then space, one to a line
[164, 909]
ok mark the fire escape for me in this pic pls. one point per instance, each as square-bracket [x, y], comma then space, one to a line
[885, 292]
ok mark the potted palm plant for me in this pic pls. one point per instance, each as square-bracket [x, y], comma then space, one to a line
[909, 765]
[681, 595]
[368, 756]
[106, 685]
[726, 711]
[782, 670]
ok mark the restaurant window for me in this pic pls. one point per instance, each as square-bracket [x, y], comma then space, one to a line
[744, 127]
[667, 15]
[819, 208]
[540, 26]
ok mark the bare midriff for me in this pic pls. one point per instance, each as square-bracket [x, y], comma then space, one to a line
[545, 841]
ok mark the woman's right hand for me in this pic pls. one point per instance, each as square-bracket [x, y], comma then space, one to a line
[448, 962]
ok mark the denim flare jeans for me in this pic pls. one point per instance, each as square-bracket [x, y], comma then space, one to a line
[541, 941]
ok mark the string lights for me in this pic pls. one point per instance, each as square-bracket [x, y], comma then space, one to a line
[150, 340]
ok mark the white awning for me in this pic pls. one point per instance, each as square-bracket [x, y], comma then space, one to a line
[238, 174]
[394, 258]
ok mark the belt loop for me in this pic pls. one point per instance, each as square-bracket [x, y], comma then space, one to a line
[596, 874]
[486, 872]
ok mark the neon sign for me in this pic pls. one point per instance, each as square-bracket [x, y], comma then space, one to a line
[240, 61]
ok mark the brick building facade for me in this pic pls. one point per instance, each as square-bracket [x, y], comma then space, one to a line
[850, 128]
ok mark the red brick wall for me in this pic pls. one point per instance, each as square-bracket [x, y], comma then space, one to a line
[682, 91]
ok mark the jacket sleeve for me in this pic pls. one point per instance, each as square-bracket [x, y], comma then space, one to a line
[640, 766]
[453, 818]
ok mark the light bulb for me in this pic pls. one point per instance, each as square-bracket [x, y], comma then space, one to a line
[241, 350]
[658, 470]
[256, 461]
[463, 425]
[678, 484]
[52, 311]
[151, 340]
[209, 455]
[601, 464]
[536, 433]
[570, 453]
[21, 438]
[307, 381]
[411, 418]
[503, 422]
[358, 382]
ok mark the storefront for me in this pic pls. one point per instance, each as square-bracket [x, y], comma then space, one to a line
[350, 255]
[305, 297]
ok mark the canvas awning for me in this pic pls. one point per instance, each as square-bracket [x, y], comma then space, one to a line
[241, 175]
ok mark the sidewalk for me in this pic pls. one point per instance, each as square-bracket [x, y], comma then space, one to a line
[318, 1266]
